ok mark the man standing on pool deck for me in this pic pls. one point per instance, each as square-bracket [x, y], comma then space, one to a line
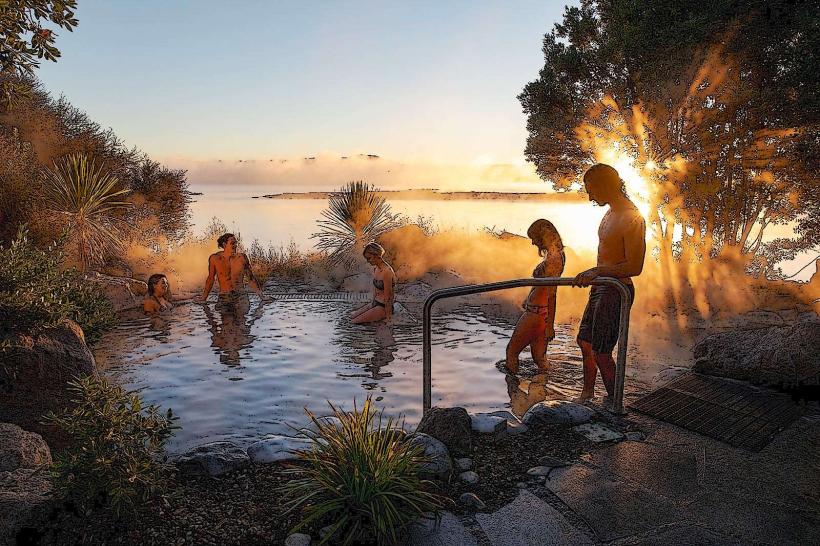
[621, 250]
[230, 268]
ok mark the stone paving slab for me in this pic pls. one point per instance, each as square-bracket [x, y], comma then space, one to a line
[450, 532]
[613, 508]
[666, 472]
[755, 522]
[680, 534]
[529, 521]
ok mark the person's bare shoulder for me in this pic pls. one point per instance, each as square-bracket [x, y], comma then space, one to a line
[149, 305]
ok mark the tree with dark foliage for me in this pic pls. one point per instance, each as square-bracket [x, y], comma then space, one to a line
[24, 39]
[716, 103]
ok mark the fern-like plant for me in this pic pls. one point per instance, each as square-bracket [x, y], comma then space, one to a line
[356, 215]
[84, 199]
[361, 478]
[116, 455]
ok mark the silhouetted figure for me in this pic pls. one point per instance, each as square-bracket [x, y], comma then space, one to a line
[621, 250]
[536, 326]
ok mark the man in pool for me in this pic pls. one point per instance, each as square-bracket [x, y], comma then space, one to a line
[230, 268]
[621, 251]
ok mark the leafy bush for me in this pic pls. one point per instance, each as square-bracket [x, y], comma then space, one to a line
[288, 262]
[35, 291]
[361, 477]
[356, 215]
[41, 129]
[116, 452]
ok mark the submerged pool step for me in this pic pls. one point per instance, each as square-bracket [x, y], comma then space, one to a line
[324, 296]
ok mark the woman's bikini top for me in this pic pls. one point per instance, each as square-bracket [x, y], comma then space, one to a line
[543, 269]
[379, 284]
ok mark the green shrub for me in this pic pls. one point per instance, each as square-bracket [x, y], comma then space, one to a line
[36, 292]
[116, 453]
[361, 478]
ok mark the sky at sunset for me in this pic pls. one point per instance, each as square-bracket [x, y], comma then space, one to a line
[420, 82]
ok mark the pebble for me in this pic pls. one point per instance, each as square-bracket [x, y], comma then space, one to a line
[324, 531]
[468, 477]
[552, 462]
[539, 471]
[465, 463]
[297, 539]
[635, 436]
[471, 500]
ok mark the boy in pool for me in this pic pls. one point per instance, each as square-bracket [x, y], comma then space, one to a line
[230, 268]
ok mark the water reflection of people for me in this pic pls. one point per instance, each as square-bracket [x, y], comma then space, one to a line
[526, 392]
[536, 326]
[384, 283]
[232, 331]
[383, 352]
[158, 297]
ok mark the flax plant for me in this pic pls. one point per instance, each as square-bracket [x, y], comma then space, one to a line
[84, 199]
[361, 478]
[356, 214]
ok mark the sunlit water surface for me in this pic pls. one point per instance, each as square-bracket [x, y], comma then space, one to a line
[240, 373]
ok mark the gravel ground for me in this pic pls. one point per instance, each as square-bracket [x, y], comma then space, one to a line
[241, 507]
[502, 463]
[246, 507]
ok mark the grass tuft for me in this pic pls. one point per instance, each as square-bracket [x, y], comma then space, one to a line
[360, 478]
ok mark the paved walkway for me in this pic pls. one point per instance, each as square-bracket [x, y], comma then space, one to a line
[675, 487]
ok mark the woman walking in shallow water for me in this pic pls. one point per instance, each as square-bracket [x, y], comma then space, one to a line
[536, 325]
[384, 282]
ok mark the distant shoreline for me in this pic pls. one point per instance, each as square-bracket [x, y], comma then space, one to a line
[436, 195]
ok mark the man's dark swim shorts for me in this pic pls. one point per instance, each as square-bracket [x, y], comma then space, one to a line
[602, 316]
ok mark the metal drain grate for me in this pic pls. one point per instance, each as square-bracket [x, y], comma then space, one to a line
[326, 296]
[724, 409]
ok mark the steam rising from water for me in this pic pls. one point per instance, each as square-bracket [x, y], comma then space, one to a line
[329, 171]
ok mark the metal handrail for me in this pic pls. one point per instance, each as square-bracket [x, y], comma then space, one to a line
[623, 330]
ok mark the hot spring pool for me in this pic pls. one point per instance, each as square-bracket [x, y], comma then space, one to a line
[238, 374]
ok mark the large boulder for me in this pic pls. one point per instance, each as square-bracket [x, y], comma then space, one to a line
[438, 464]
[23, 494]
[212, 459]
[782, 356]
[21, 449]
[276, 447]
[34, 374]
[557, 412]
[123, 292]
[451, 426]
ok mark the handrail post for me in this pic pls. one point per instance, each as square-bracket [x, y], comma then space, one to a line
[623, 327]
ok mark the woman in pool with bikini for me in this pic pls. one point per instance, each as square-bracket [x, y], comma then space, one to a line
[384, 282]
[536, 325]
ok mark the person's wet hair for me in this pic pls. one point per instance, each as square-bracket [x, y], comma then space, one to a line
[374, 248]
[153, 281]
[544, 232]
[605, 175]
[223, 240]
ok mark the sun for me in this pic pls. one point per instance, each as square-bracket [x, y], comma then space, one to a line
[636, 184]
